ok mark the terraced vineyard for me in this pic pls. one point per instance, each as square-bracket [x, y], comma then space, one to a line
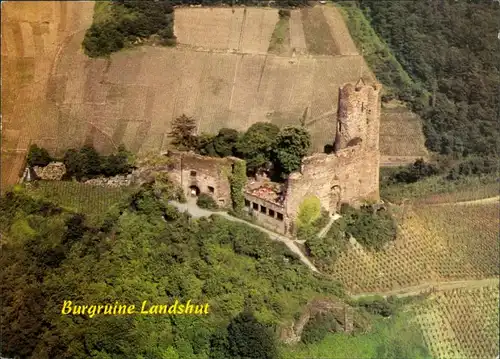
[434, 243]
[94, 201]
[461, 323]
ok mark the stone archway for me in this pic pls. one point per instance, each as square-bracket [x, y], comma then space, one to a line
[194, 191]
[334, 199]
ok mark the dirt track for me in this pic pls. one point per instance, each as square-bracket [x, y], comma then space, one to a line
[432, 287]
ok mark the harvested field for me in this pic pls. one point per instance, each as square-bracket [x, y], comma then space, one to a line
[435, 243]
[258, 27]
[461, 323]
[218, 89]
[32, 34]
[297, 37]
[246, 30]
[319, 39]
[343, 40]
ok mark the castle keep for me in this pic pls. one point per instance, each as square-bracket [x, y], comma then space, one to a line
[350, 174]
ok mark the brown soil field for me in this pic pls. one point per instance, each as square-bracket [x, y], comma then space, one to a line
[32, 35]
[246, 30]
[55, 96]
[297, 37]
[319, 38]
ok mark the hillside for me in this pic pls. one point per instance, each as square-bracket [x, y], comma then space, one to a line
[223, 72]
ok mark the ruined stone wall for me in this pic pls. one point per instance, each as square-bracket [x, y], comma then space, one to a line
[270, 218]
[209, 174]
[354, 171]
[351, 173]
[358, 117]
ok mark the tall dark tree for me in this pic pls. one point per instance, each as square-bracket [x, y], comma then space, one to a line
[183, 133]
[249, 339]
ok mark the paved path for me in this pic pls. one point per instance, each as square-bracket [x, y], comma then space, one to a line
[198, 212]
[326, 228]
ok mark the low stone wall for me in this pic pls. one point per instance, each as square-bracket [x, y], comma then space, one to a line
[54, 171]
[116, 181]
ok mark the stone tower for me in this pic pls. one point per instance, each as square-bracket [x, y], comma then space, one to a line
[358, 118]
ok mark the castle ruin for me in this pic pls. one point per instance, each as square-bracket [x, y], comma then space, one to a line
[350, 174]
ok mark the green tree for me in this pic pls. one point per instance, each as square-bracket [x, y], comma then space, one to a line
[38, 156]
[117, 163]
[225, 142]
[183, 133]
[250, 339]
[256, 144]
[205, 145]
[292, 144]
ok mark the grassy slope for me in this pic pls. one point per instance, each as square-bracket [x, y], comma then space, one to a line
[280, 39]
[439, 190]
[383, 338]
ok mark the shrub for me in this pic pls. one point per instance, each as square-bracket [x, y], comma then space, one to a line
[376, 305]
[284, 13]
[318, 327]
[237, 181]
[371, 228]
[38, 156]
[414, 172]
[102, 40]
[309, 211]
[206, 201]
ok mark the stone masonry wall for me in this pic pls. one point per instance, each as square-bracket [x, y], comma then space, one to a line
[208, 174]
[271, 217]
[351, 174]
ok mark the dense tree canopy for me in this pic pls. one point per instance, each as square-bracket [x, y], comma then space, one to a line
[451, 50]
[120, 22]
[88, 163]
[256, 144]
[292, 144]
[145, 250]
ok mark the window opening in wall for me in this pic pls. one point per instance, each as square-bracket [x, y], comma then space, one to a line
[255, 206]
[263, 209]
[247, 203]
[362, 106]
[271, 213]
[193, 173]
[221, 201]
[211, 189]
[280, 216]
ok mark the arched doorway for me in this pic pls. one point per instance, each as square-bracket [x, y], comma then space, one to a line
[334, 199]
[194, 191]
